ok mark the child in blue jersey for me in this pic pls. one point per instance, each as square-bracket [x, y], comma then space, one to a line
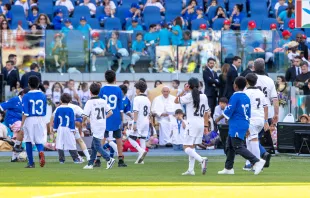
[33, 16]
[64, 125]
[7, 11]
[164, 35]
[57, 21]
[151, 40]
[33, 124]
[66, 28]
[138, 47]
[84, 27]
[13, 119]
[126, 105]
[238, 112]
[114, 96]
[97, 49]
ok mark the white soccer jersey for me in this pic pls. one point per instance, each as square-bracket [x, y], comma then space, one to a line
[195, 117]
[96, 109]
[142, 105]
[267, 86]
[258, 102]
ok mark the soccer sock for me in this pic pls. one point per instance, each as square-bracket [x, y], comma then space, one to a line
[114, 146]
[191, 152]
[255, 149]
[17, 143]
[248, 146]
[135, 145]
[29, 153]
[86, 153]
[40, 147]
[143, 143]
[14, 155]
[191, 163]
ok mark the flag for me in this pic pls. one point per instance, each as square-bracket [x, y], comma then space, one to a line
[302, 13]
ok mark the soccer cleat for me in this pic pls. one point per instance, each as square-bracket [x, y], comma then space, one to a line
[267, 157]
[61, 162]
[139, 163]
[78, 161]
[97, 163]
[204, 165]
[30, 166]
[189, 173]
[14, 160]
[121, 163]
[110, 163]
[88, 167]
[141, 157]
[42, 158]
[18, 149]
[226, 172]
[258, 166]
[247, 167]
[81, 159]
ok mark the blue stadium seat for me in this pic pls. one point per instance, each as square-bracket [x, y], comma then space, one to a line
[94, 23]
[99, 10]
[64, 10]
[212, 12]
[75, 22]
[267, 22]
[91, 1]
[218, 24]
[17, 12]
[121, 12]
[259, 8]
[24, 22]
[307, 32]
[81, 11]
[197, 22]
[112, 24]
[285, 25]
[281, 9]
[245, 21]
[173, 10]
[124, 37]
[46, 7]
[151, 15]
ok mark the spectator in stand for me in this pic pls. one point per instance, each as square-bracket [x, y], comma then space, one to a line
[155, 3]
[294, 71]
[292, 50]
[285, 38]
[187, 38]
[278, 4]
[138, 48]
[48, 91]
[303, 59]
[236, 17]
[57, 90]
[109, 3]
[135, 25]
[73, 92]
[33, 37]
[287, 14]
[220, 14]
[164, 35]
[199, 13]
[7, 12]
[213, 4]
[66, 3]
[33, 3]
[157, 83]
[105, 15]
[2, 18]
[11, 76]
[176, 37]
[6, 35]
[151, 40]
[273, 27]
[34, 71]
[222, 79]
[189, 11]
[97, 49]
[114, 45]
[249, 69]
[58, 52]
[231, 76]
[303, 78]
[84, 93]
[91, 6]
[66, 28]
[133, 12]
[84, 27]
[24, 4]
[58, 19]
[226, 26]
[44, 22]
[34, 16]
[302, 46]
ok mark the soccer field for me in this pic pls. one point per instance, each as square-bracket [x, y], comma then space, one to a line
[158, 177]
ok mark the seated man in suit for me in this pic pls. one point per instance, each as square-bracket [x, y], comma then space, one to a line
[232, 74]
[11, 75]
[34, 71]
[294, 71]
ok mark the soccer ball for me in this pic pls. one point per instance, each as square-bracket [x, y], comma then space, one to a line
[22, 157]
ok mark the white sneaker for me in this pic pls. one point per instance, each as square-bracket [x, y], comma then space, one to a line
[93, 68]
[150, 70]
[189, 173]
[141, 157]
[226, 172]
[88, 167]
[258, 166]
[110, 163]
[139, 163]
[81, 159]
[132, 70]
[118, 70]
[204, 165]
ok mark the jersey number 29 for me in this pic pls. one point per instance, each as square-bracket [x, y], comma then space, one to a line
[112, 100]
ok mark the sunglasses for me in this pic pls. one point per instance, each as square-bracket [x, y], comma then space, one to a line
[42, 19]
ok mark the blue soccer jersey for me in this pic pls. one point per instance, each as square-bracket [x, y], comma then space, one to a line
[238, 112]
[126, 105]
[64, 117]
[34, 103]
[114, 96]
[14, 109]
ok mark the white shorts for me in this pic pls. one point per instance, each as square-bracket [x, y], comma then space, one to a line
[189, 140]
[255, 130]
[35, 130]
[65, 139]
[77, 135]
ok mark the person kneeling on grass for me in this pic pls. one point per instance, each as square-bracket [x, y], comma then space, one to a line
[97, 110]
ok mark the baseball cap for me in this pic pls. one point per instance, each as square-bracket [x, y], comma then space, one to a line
[135, 5]
[203, 26]
[304, 36]
[273, 26]
[59, 10]
[227, 22]
[67, 21]
[252, 24]
[135, 20]
[83, 18]
[57, 35]
[291, 24]
[286, 33]
[199, 8]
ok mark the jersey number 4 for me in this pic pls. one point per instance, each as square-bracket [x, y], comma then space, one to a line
[100, 111]
[200, 111]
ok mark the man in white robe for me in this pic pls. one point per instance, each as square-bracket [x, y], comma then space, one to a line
[163, 108]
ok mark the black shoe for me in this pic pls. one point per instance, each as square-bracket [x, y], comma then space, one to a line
[14, 160]
[121, 163]
[30, 166]
[18, 149]
[97, 163]
[267, 157]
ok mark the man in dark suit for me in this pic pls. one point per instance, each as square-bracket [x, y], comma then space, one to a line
[302, 46]
[232, 74]
[249, 69]
[211, 84]
[10, 76]
[294, 71]
[34, 72]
